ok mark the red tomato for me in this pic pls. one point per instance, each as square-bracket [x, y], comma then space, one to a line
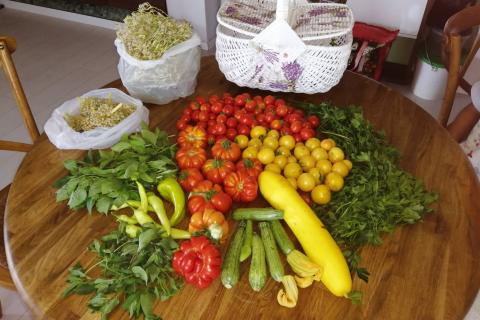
[211, 122]
[185, 117]
[227, 95]
[228, 109]
[198, 203]
[212, 129]
[213, 98]
[293, 117]
[279, 102]
[200, 99]
[202, 124]
[181, 125]
[192, 137]
[232, 122]
[307, 125]
[203, 116]
[258, 99]
[238, 114]
[210, 139]
[260, 105]
[276, 124]
[296, 126]
[300, 112]
[252, 167]
[216, 107]
[220, 129]
[195, 114]
[307, 133]
[206, 186]
[194, 105]
[228, 100]
[205, 107]
[187, 112]
[220, 138]
[231, 134]
[282, 110]
[250, 105]
[246, 119]
[241, 187]
[221, 202]
[190, 157]
[226, 150]
[269, 100]
[270, 116]
[240, 100]
[188, 178]
[314, 121]
[260, 117]
[298, 137]
[215, 170]
[286, 129]
[243, 129]
[221, 118]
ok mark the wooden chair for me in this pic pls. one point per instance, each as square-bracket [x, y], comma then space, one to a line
[452, 56]
[7, 46]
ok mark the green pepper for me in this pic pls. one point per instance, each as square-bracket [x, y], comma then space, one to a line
[178, 234]
[170, 190]
[142, 217]
[132, 231]
[143, 197]
[127, 219]
[135, 204]
[157, 205]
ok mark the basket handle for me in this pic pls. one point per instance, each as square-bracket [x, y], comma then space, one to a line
[283, 8]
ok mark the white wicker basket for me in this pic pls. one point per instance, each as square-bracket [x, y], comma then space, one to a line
[284, 45]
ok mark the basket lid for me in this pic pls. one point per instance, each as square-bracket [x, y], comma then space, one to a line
[310, 21]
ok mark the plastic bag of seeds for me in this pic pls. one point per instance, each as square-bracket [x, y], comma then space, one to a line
[96, 120]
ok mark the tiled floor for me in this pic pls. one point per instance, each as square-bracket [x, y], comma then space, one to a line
[58, 60]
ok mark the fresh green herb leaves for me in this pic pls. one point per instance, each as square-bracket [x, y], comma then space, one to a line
[106, 177]
[378, 196]
[133, 270]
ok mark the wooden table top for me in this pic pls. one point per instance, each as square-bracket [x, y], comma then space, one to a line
[429, 270]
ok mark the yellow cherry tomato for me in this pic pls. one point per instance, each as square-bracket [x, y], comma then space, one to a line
[306, 182]
[273, 133]
[340, 168]
[242, 141]
[270, 142]
[273, 167]
[324, 166]
[287, 141]
[255, 142]
[292, 170]
[319, 154]
[266, 155]
[250, 153]
[312, 143]
[281, 161]
[291, 159]
[348, 163]
[334, 181]
[258, 132]
[293, 182]
[301, 151]
[327, 144]
[321, 194]
[307, 162]
[283, 151]
[336, 154]
[316, 174]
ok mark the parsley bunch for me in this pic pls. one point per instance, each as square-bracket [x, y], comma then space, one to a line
[107, 177]
[378, 196]
[136, 271]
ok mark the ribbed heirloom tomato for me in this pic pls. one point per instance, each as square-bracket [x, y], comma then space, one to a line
[188, 178]
[191, 158]
[226, 150]
[215, 170]
[241, 187]
[192, 137]
[252, 167]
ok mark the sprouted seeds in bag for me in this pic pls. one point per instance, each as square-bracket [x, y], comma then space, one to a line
[98, 112]
[149, 32]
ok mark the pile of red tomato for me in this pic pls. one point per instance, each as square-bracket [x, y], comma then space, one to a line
[212, 169]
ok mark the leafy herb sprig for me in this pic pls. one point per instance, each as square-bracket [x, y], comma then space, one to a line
[378, 196]
[136, 271]
[106, 177]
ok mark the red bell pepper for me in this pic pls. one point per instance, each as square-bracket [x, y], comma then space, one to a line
[198, 261]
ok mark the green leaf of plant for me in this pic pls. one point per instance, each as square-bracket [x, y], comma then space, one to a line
[146, 303]
[103, 204]
[109, 306]
[70, 165]
[139, 272]
[77, 198]
[146, 237]
[119, 147]
[149, 136]
[355, 297]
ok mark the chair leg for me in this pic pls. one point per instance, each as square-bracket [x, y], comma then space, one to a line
[453, 80]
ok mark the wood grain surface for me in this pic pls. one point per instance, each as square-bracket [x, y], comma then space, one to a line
[429, 270]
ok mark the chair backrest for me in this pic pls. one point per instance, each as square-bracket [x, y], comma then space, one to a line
[452, 56]
[7, 47]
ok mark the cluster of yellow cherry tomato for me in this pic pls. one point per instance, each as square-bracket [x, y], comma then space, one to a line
[316, 166]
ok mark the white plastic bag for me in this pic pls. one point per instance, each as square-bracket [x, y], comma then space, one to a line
[64, 137]
[160, 81]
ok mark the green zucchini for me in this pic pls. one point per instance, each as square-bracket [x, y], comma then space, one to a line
[258, 214]
[247, 242]
[281, 236]
[273, 259]
[231, 263]
[258, 268]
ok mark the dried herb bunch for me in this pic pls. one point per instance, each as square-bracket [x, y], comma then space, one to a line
[148, 32]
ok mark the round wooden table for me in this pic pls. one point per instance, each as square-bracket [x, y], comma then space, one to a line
[430, 270]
